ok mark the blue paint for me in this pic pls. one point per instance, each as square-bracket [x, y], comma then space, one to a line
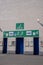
[19, 45]
[36, 46]
[4, 45]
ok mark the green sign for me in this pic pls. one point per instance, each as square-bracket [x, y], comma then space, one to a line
[25, 33]
[19, 25]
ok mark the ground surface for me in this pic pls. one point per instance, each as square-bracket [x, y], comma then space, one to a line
[11, 59]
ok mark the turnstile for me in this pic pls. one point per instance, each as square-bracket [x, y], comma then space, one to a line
[1, 45]
[28, 45]
[11, 45]
[21, 45]
[40, 46]
[31, 45]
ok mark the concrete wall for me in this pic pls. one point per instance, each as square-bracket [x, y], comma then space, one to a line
[15, 11]
[26, 11]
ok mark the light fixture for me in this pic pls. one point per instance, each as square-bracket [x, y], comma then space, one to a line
[1, 30]
[39, 22]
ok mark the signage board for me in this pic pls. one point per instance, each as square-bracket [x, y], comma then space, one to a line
[24, 33]
[19, 25]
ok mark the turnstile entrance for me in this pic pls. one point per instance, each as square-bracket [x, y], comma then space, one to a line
[11, 45]
[31, 45]
[28, 45]
[1, 45]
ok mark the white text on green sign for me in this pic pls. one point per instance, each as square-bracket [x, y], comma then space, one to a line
[25, 33]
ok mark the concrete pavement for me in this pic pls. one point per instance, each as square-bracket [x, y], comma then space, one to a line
[12, 59]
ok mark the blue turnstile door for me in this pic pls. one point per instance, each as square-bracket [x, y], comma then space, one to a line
[19, 45]
[4, 45]
[36, 46]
